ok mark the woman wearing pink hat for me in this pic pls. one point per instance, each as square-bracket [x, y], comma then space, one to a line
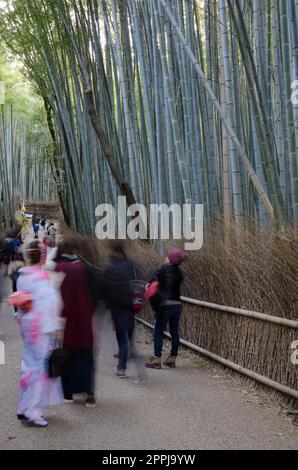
[169, 281]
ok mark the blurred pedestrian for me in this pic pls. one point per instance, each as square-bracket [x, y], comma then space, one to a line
[49, 246]
[78, 309]
[15, 245]
[7, 253]
[51, 232]
[34, 217]
[169, 280]
[36, 229]
[120, 274]
[39, 323]
[14, 270]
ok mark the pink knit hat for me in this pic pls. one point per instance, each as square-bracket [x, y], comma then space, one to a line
[176, 256]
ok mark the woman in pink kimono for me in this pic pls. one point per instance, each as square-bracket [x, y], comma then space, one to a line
[39, 325]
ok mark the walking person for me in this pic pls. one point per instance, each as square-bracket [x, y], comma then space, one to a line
[51, 231]
[15, 245]
[38, 317]
[78, 309]
[34, 218]
[14, 271]
[120, 273]
[169, 280]
[36, 229]
[7, 253]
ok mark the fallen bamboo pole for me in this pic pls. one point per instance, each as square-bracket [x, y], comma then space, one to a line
[245, 313]
[242, 370]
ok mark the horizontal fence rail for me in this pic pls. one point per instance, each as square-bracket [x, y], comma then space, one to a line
[242, 370]
[245, 313]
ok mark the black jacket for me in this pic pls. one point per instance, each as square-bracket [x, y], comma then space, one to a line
[118, 277]
[170, 279]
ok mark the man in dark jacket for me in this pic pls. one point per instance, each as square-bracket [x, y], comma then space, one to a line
[169, 281]
[120, 272]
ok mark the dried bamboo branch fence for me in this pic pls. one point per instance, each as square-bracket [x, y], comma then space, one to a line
[245, 313]
[251, 343]
[242, 370]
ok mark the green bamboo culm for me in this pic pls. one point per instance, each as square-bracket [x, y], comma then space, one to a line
[163, 101]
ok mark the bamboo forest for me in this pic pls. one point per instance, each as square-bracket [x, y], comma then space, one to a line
[164, 101]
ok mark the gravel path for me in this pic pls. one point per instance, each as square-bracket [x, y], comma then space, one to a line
[195, 406]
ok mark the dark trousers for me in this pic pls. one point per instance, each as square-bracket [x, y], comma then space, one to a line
[124, 327]
[131, 329]
[167, 314]
[80, 375]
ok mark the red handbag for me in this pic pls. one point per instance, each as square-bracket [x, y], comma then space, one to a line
[151, 290]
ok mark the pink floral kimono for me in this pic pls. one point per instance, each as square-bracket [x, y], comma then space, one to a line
[37, 328]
